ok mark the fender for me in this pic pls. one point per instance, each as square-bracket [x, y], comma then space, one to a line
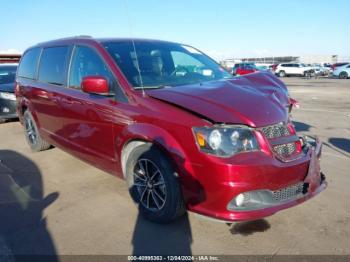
[170, 146]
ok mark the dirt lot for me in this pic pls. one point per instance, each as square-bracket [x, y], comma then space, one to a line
[52, 203]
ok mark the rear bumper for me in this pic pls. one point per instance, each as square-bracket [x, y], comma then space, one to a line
[7, 109]
[272, 178]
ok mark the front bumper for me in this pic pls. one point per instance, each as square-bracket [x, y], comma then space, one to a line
[263, 175]
[7, 109]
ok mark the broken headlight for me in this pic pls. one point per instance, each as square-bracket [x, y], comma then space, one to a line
[225, 141]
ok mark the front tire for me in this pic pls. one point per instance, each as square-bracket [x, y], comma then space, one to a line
[34, 140]
[153, 184]
[343, 75]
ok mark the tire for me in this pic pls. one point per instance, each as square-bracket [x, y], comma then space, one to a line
[282, 74]
[343, 75]
[159, 199]
[34, 140]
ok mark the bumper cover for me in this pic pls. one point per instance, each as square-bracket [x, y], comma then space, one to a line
[314, 182]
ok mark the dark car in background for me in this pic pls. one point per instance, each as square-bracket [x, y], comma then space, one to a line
[7, 88]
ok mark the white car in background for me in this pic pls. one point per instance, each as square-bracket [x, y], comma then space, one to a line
[293, 69]
[342, 72]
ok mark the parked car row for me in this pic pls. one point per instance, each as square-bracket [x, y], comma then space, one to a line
[339, 70]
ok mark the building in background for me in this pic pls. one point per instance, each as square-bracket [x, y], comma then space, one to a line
[307, 59]
[9, 58]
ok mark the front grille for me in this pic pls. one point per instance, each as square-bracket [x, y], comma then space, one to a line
[273, 133]
[288, 192]
[285, 150]
[276, 131]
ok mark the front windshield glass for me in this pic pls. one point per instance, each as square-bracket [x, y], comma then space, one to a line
[159, 64]
[7, 74]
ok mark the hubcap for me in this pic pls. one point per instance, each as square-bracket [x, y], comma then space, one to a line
[150, 185]
[30, 131]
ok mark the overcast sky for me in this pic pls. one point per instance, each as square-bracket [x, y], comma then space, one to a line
[232, 28]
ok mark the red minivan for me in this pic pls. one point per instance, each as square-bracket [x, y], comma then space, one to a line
[182, 131]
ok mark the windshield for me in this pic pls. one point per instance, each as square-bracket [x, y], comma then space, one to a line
[7, 74]
[163, 64]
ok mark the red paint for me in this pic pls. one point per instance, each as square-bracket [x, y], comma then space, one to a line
[95, 84]
[96, 129]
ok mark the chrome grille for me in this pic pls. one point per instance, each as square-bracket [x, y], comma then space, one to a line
[275, 131]
[285, 150]
[288, 192]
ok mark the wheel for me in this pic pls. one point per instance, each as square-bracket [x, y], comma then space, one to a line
[282, 74]
[343, 75]
[34, 140]
[153, 184]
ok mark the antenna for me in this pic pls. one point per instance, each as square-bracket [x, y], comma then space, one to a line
[134, 47]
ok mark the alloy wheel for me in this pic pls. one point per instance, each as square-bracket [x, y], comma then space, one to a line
[150, 185]
[30, 130]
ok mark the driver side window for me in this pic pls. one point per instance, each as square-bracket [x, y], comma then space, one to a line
[86, 62]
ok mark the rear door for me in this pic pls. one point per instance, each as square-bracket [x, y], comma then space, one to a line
[51, 82]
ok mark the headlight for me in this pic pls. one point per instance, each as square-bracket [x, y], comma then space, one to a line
[8, 96]
[225, 141]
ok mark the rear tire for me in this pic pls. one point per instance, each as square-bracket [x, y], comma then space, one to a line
[34, 140]
[153, 184]
[282, 74]
[343, 75]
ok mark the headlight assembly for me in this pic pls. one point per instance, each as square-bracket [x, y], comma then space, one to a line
[225, 141]
[8, 96]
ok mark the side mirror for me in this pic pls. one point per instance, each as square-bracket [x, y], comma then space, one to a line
[95, 85]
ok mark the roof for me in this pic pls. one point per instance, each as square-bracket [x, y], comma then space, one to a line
[90, 39]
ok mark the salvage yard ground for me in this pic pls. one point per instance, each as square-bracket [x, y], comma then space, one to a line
[52, 203]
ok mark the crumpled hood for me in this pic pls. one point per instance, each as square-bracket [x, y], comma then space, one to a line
[7, 87]
[257, 99]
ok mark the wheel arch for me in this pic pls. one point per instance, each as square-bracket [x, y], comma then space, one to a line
[139, 133]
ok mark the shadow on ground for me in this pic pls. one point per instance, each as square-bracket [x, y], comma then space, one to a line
[23, 228]
[301, 127]
[340, 143]
[157, 239]
[250, 227]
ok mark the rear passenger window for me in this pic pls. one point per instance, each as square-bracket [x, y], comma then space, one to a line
[29, 62]
[53, 65]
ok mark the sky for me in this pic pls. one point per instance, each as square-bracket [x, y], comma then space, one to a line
[221, 28]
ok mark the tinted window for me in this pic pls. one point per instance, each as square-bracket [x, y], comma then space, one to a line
[53, 64]
[29, 61]
[86, 62]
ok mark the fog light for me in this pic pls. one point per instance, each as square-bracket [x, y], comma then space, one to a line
[239, 200]
[5, 110]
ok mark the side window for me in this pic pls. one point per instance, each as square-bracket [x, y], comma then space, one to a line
[185, 61]
[29, 62]
[53, 65]
[86, 62]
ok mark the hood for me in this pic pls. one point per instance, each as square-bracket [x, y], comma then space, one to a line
[257, 99]
[7, 87]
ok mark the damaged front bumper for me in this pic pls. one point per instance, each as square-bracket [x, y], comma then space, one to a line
[256, 204]
[261, 203]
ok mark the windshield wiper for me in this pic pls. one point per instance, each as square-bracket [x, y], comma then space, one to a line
[151, 87]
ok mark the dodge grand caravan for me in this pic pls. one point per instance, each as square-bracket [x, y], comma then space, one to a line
[182, 131]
